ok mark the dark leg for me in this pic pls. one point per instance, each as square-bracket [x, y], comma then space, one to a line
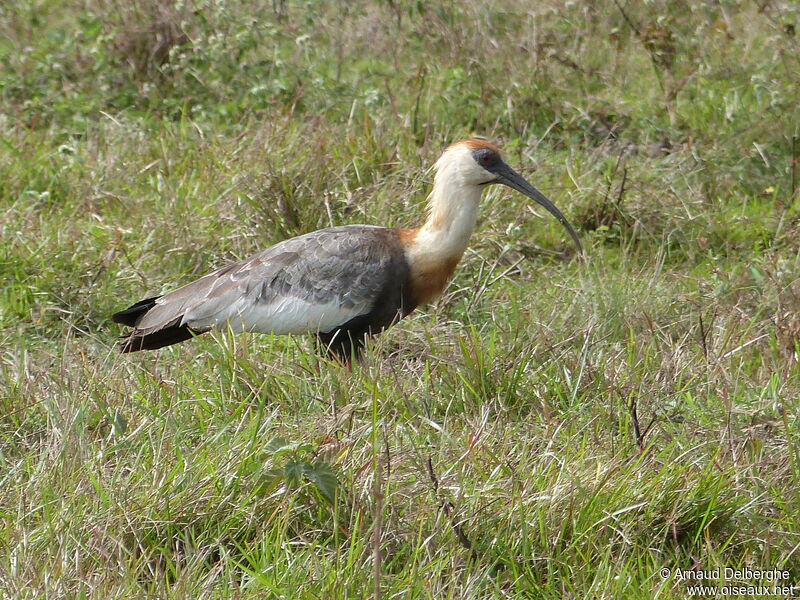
[341, 345]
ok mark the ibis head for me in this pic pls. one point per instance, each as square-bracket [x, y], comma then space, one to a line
[479, 163]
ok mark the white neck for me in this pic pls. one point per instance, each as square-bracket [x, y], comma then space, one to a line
[452, 213]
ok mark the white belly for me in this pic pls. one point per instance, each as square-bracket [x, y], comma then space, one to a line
[287, 315]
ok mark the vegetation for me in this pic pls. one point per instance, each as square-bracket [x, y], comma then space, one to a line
[553, 427]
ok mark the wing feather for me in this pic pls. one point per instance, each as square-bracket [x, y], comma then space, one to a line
[311, 283]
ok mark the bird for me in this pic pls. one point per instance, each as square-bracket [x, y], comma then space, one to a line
[343, 284]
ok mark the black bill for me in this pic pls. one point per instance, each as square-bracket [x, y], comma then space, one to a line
[508, 176]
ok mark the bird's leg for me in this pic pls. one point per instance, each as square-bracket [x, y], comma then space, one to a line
[341, 346]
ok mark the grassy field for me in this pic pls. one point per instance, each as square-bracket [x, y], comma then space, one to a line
[551, 428]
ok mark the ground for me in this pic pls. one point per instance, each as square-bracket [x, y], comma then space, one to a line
[553, 427]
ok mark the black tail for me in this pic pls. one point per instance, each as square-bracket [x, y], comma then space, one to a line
[158, 339]
[171, 334]
[132, 314]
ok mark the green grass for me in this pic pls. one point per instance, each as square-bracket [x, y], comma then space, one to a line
[552, 427]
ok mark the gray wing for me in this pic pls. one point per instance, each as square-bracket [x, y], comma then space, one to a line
[311, 283]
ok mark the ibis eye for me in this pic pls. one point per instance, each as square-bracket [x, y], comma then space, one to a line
[486, 158]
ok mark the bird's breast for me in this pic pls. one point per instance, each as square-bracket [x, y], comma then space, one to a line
[427, 282]
[428, 270]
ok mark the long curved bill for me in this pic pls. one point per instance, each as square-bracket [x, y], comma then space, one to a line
[508, 176]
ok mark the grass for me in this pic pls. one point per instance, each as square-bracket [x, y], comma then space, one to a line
[550, 428]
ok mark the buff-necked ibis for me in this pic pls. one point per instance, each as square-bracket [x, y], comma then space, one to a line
[343, 283]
